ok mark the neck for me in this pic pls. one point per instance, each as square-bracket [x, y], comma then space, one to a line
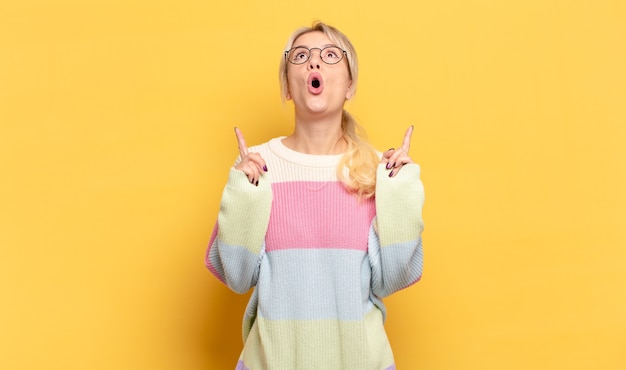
[317, 136]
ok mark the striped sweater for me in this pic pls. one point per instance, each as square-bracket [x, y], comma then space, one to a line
[320, 260]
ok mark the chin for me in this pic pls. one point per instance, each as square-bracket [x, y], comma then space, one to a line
[316, 107]
[314, 104]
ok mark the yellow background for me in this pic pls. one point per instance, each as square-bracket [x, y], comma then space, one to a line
[116, 122]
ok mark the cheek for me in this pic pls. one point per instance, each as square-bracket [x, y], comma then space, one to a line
[293, 80]
[345, 82]
[343, 78]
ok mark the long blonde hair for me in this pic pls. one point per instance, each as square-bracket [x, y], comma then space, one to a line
[360, 159]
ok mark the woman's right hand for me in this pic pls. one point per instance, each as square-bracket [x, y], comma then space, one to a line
[252, 164]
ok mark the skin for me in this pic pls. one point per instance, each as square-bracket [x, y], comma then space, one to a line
[318, 117]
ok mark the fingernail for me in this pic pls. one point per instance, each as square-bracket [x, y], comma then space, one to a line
[388, 165]
[390, 149]
[256, 183]
[391, 174]
[265, 168]
[394, 164]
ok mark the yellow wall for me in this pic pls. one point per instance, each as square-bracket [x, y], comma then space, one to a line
[116, 136]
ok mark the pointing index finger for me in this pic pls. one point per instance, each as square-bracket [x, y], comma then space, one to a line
[241, 142]
[406, 142]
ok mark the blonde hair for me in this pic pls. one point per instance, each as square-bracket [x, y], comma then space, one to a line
[360, 159]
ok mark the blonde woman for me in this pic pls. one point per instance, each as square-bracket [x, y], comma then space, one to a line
[321, 225]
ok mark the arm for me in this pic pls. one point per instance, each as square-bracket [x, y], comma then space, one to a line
[395, 249]
[238, 240]
[395, 242]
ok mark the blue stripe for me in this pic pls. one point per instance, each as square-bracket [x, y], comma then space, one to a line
[395, 266]
[236, 264]
[314, 284]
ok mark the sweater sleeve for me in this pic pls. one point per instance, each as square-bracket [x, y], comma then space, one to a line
[395, 241]
[238, 240]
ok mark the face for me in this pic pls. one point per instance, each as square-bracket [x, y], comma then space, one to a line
[314, 86]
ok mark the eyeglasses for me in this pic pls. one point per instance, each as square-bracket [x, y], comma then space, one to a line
[329, 54]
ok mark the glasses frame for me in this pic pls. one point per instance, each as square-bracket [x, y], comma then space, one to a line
[345, 54]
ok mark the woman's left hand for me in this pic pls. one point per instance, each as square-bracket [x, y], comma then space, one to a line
[394, 159]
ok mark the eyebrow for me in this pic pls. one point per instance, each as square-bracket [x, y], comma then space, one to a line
[323, 46]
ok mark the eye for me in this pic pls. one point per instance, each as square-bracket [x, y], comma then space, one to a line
[331, 54]
[299, 55]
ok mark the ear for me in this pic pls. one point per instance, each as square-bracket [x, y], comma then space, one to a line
[349, 91]
[287, 94]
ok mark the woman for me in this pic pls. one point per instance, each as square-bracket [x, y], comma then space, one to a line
[320, 224]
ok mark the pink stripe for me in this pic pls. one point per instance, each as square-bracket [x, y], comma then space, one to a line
[309, 214]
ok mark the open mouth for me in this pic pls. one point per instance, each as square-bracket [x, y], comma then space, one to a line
[315, 84]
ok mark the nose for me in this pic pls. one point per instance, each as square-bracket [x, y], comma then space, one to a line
[315, 59]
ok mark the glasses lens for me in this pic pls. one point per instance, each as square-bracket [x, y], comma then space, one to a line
[299, 55]
[331, 55]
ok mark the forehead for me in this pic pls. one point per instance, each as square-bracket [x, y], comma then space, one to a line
[313, 39]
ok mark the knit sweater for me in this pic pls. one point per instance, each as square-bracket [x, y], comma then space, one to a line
[319, 259]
